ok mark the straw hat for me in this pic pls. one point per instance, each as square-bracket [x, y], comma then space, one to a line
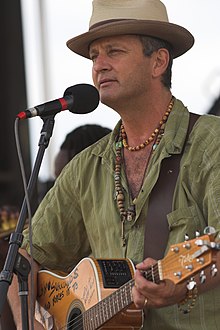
[144, 17]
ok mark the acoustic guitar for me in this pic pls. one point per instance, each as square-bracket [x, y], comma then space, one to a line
[97, 293]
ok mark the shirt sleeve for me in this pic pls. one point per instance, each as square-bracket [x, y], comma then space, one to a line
[58, 228]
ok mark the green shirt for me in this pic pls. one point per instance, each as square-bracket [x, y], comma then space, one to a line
[79, 215]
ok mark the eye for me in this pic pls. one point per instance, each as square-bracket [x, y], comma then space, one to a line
[114, 51]
[93, 57]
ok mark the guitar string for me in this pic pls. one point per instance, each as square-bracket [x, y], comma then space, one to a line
[81, 319]
[98, 307]
[147, 274]
[150, 274]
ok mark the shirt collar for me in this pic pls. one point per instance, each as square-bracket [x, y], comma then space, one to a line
[174, 134]
[176, 128]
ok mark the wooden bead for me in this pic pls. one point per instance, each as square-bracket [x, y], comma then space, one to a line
[120, 197]
[153, 135]
[157, 135]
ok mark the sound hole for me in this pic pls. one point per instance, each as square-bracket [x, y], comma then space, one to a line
[75, 320]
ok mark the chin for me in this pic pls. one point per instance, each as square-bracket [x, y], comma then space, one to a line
[108, 98]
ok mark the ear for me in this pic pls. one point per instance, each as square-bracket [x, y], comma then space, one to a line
[161, 60]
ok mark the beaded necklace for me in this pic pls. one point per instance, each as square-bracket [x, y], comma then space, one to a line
[156, 136]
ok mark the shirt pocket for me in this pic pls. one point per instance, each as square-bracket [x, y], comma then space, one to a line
[184, 221]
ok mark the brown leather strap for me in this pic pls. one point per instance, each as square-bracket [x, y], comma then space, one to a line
[160, 203]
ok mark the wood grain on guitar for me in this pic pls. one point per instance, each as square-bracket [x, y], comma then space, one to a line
[97, 293]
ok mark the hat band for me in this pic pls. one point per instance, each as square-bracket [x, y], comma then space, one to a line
[108, 21]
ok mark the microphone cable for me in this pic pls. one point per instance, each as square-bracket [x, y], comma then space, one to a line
[27, 199]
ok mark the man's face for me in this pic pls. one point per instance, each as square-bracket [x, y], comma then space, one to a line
[120, 70]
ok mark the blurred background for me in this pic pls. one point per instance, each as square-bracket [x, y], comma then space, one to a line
[36, 66]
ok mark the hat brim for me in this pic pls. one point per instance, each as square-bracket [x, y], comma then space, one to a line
[179, 38]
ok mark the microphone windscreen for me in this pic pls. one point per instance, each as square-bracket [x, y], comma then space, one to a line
[85, 98]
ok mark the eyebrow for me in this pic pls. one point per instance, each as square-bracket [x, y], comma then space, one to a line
[93, 50]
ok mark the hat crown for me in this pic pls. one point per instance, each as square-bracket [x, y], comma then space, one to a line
[105, 10]
[140, 17]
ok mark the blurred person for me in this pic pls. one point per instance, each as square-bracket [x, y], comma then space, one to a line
[74, 142]
[77, 140]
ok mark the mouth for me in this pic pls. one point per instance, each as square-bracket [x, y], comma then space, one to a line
[105, 82]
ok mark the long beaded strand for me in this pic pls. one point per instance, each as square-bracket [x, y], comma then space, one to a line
[122, 142]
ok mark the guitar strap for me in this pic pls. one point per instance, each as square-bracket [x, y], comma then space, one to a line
[160, 203]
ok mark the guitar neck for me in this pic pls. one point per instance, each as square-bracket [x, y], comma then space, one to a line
[86, 301]
[121, 298]
[103, 311]
[110, 306]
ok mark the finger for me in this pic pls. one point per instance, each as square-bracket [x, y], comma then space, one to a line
[146, 263]
[138, 298]
[141, 281]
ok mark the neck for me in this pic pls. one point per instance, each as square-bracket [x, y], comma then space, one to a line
[140, 122]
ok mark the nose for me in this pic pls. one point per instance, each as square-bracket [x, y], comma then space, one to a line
[101, 63]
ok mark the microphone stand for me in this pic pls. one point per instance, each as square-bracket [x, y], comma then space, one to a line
[15, 262]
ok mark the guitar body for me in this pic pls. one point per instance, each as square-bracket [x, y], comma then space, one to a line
[70, 299]
[97, 294]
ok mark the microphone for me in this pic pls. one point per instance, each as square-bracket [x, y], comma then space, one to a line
[79, 99]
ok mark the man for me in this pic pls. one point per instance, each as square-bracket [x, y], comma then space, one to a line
[100, 202]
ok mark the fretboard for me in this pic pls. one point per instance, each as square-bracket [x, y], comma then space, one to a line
[102, 312]
[96, 316]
